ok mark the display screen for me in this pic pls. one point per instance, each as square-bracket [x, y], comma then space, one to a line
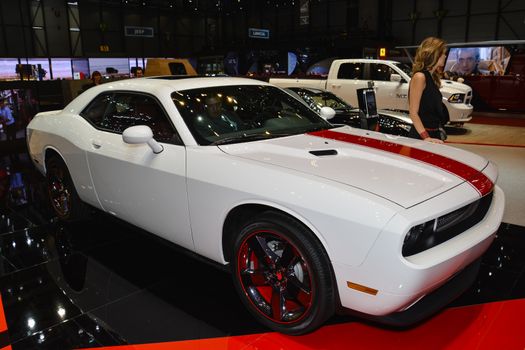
[367, 102]
[80, 67]
[464, 61]
[110, 67]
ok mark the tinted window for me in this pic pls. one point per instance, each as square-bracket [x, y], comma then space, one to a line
[380, 72]
[177, 68]
[96, 110]
[322, 99]
[351, 71]
[241, 113]
[116, 112]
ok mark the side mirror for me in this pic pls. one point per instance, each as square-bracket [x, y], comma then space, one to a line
[395, 77]
[140, 134]
[327, 112]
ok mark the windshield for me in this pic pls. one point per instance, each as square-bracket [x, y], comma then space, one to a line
[405, 68]
[229, 114]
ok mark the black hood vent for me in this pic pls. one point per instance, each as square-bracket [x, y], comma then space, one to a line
[324, 152]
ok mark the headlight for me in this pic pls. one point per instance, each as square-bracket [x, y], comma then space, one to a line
[456, 98]
[414, 233]
[416, 240]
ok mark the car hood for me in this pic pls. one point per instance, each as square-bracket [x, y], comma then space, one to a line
[453, 87]
[395, 168]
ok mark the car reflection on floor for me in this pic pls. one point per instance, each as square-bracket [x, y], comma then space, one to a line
[103, 282]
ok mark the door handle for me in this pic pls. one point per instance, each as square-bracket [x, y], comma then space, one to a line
[336, 85]
[96, 144]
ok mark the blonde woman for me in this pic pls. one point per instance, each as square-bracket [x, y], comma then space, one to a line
[425, 105]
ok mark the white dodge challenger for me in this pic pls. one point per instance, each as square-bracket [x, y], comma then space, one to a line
[311, 218]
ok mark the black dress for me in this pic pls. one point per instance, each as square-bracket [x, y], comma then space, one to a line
[430, 109]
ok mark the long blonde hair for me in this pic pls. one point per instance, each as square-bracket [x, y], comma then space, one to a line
[427, 56]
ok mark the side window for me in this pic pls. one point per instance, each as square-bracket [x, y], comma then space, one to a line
[96, 110]
[147, 111]
[118, 111]
[351, 71]
[380, 72]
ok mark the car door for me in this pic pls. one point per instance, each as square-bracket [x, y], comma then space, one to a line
[350, 77]
[131, 182]
[389, 94]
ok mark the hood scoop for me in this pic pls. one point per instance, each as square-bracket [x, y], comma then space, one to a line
[324, 152]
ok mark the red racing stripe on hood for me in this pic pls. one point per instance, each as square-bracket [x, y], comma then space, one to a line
[477, 179]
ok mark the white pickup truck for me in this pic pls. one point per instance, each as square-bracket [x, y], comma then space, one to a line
[390, 80]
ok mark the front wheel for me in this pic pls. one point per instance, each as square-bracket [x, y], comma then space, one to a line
[283, 274]
[62, 193]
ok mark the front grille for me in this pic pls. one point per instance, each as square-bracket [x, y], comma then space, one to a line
[468, 98]
[448, 226]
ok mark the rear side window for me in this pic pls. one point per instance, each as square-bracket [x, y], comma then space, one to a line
[96, 110]
[351, 71]
[380, 72]
[115, 112]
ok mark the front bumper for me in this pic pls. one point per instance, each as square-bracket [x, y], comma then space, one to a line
[429, 304]
[459, 112]
[403, 282]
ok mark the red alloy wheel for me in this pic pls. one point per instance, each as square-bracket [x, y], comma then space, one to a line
[275, 277]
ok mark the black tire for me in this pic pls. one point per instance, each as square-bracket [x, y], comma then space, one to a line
[62, 193]
[283, 274]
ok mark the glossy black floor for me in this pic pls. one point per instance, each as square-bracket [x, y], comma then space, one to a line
[103, 282]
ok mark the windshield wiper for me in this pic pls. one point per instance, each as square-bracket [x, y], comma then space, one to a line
[318, 128]
[249, 137]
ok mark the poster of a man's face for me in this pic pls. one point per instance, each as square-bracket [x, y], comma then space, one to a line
[465, 61]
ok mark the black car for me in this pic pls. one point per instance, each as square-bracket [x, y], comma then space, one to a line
[389, 122]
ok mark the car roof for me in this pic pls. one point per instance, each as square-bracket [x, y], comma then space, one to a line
[157, 86]
[186, 82]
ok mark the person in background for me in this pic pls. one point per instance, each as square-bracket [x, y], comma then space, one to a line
[424, 97]
[139, 73]
[7, 119]
[96, 79]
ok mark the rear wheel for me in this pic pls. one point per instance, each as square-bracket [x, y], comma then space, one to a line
[62, 193]
[283, 274]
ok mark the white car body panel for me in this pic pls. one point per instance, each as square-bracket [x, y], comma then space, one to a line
[125, 178]
[359, 203]
[361, 167]
[237, 181]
